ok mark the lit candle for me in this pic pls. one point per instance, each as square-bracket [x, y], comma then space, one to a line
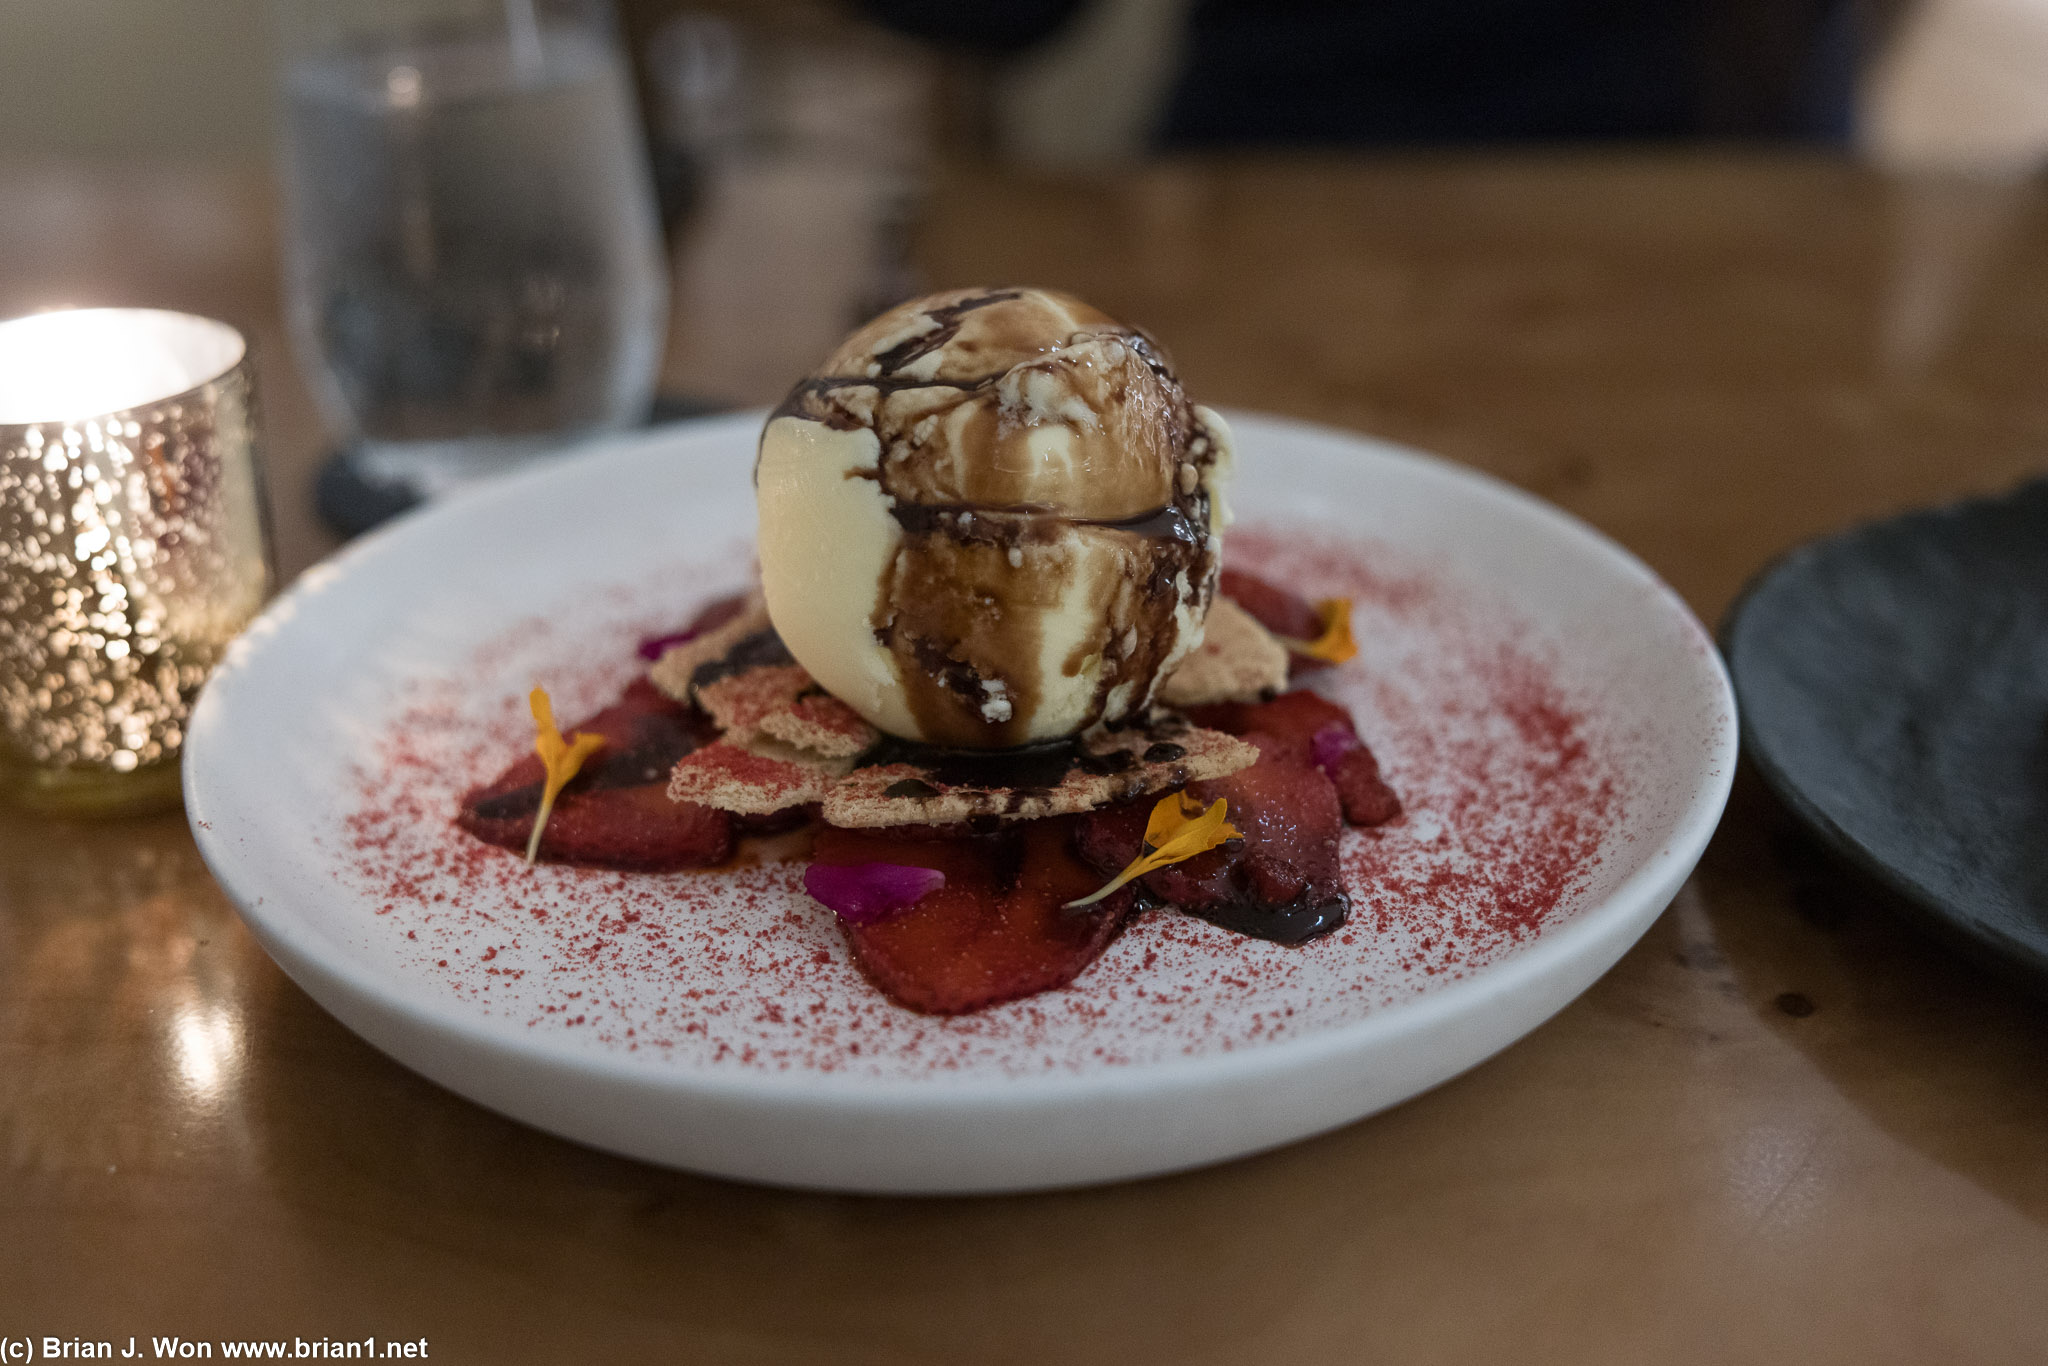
[131, 544]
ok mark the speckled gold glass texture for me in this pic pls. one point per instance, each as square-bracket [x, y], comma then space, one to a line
[132, 550]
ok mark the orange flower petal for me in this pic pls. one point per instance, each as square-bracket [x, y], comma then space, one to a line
[560, 758]
[1179, 829]
[1335, 644]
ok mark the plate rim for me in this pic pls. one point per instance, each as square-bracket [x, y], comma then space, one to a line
[1697, 819]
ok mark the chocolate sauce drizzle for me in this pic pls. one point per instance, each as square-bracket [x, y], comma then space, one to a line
[948, 319]
[1007, 526]
[1300, 920]
[812, 399]
[1026, 771]
[761, 650]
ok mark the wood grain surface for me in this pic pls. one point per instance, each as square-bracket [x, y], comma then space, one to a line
[1785, 1128]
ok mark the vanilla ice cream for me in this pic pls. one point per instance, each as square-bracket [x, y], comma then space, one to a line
[991, 518]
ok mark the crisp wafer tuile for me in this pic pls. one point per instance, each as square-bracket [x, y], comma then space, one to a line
[913, 794]
[740, 702]
[679, 663]
[749, 782]
[783, 704]
[787, 744]
[822, 724]
[1238, 661]
[765, 706]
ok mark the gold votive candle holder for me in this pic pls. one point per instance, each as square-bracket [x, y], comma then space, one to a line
[133, 546]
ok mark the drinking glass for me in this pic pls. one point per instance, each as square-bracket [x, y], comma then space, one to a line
[474, 266]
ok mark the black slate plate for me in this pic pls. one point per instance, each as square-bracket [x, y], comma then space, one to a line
[1893, 683]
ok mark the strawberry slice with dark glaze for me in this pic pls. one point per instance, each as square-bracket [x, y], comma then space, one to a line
[1281, 881]
[1314, 730]
[615, 813]
[1365, 795]
[1290, 720]
[1280, 610]
[996, 931]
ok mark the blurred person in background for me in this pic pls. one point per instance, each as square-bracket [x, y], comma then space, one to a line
[1413, 72]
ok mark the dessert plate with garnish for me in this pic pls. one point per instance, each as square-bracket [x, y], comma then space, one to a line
[990, 771]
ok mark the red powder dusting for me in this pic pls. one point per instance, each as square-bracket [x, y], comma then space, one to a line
[722, 765]
[1513, 794]
[830, 716]
[746, 698]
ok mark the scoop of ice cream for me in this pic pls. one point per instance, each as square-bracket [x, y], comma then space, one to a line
[991, 518]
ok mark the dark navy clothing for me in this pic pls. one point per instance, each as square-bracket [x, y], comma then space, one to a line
[1379, 72]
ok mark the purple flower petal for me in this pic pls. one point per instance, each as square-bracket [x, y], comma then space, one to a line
[868, 893]
[1329, 745]
[652, 647]
[714, 615]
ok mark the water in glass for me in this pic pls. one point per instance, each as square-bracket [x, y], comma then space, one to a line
[474, 259]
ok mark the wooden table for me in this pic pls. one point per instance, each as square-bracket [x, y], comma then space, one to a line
[1784, 1128]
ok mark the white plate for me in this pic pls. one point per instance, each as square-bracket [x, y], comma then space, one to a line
[1558, 724]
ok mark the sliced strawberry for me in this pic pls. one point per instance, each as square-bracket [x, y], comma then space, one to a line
[1314, 730]
[1364, 793]
[1280, 882]
[1284, 882]
[1291, 720]
[1108, 838]
[616, 812]
[996, 931]
[1283, 612]
[775, 822]
[1280, 610]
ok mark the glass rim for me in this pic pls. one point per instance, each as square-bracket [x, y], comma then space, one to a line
[217, 350]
